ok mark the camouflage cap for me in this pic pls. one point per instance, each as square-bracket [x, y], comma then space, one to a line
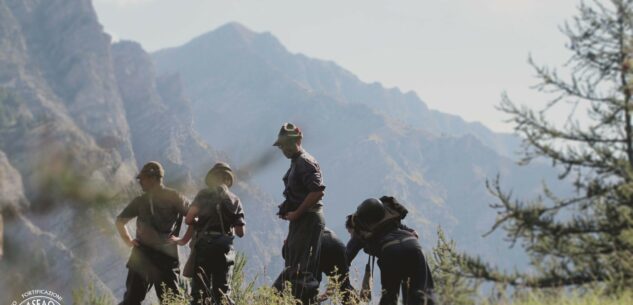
[152, 169]
[288, 132]
[220, 167]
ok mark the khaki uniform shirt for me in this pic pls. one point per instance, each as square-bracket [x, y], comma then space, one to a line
[159, 214]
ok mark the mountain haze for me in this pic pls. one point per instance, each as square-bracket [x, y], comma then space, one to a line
[263, 52]
[369, 140]
[78, 116]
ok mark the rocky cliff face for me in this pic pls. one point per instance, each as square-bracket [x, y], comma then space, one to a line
[60, 101]
[63, 128]
[77, 116]
[161, 120]
[11, 194]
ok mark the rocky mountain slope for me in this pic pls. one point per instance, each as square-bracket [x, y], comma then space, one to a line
[78, 116]
[370, 140]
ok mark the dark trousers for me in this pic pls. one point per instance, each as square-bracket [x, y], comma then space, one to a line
[333, 262]
[404, 265]
[211, 283]
[147, 268]
[302, 257]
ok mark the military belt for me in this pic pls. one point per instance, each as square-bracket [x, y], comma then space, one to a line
[212, 233]
[396, 242]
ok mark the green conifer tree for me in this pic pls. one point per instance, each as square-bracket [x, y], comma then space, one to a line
[588, 236]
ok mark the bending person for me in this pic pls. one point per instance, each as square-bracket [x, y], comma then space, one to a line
[376, 228]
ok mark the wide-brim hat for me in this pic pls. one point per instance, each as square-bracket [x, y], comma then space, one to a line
[220, 167]
[152, 169]
[288, 132]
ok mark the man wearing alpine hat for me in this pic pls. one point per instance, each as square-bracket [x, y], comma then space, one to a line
[303, 209]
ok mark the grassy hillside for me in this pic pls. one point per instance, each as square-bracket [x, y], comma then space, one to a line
[245, 293]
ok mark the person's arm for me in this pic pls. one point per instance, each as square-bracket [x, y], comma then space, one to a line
[310, 175]
[130, 211]
[182, 205]
[308, 202]
[184, 239]
[238, 222]
[124, 233]
[240, 230]
[353, 247]
[190, 219]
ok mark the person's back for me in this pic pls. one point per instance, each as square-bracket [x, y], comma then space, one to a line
[219, 211]
[215, 214]
[399, 253]
[402, 262]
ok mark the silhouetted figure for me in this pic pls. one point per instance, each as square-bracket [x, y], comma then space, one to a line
[303, 209]
[219, 216]
[376, 228]
[154, 260]
[333, 263]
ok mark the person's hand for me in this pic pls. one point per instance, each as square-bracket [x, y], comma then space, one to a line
[292, 216]
[415, 233]
[133, 243]
[176, 240]
[323, 297]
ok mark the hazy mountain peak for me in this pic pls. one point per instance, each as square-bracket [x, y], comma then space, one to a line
[237, 29]
[234, 35]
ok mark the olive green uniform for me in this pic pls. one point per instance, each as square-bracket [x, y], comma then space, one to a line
[159, 213]
[219, 211]
[304, 234]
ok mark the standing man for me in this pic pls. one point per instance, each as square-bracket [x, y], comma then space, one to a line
[154, 260]
[216, 216]
[303, 209]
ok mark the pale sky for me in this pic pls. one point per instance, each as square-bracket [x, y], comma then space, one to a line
[457, 55]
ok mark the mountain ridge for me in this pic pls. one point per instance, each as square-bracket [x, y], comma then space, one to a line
[365, 147]
[329, 78]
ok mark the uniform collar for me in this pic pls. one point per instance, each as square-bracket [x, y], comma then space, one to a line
[156, 188]
[297, 154]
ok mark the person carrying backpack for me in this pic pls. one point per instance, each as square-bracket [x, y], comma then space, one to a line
[220, 216]
[376, 227]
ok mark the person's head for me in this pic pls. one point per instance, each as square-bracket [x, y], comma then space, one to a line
[289, 140]
[150, 175]
[368, 213]
[220, 174]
